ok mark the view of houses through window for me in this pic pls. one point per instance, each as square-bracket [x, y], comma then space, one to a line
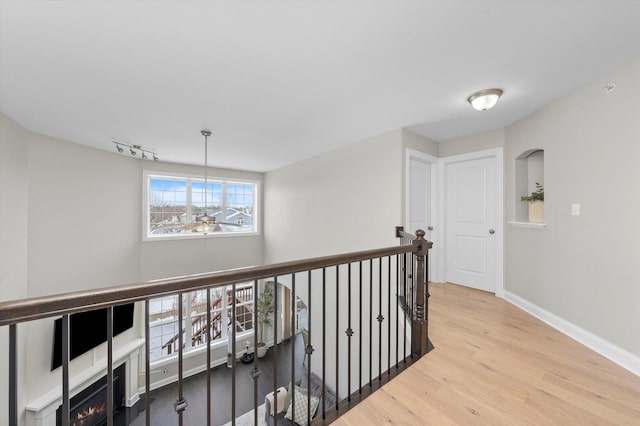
[174, 203]
[163, 318]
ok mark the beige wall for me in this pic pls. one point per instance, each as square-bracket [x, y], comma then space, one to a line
[344, 200]
[75, 216]
[487, 140]
[584, 269]
[14, 187]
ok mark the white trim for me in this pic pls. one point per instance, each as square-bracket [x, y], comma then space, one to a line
[527, 224]
[620, 356]
[436, 252]
[497, 154]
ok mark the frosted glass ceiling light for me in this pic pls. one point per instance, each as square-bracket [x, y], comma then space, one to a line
[485, 99]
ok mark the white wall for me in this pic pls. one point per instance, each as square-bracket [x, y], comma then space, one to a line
[14, 187]
[584, 269]
[345, 200]
[486, 140]
[75, 216]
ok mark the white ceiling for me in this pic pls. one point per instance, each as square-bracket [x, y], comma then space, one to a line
[282, 81]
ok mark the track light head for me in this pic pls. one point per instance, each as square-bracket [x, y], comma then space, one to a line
[144, 156]
[155, 157]
[119, 148]
[132, 152]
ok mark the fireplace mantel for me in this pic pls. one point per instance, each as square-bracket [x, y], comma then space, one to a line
[43, 409]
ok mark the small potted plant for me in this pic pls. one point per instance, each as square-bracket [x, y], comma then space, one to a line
[266, 307]
[536, 208]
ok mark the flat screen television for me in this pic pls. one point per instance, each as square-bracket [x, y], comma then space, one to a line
[88, 330]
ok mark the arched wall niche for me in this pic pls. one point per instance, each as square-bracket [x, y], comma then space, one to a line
[529, 169]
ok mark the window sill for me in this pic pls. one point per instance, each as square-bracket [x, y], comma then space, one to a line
[527, 225]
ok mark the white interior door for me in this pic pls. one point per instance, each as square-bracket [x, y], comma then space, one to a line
[419, 196]
[471, 222]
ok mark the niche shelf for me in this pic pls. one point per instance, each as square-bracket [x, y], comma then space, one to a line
[529, 169]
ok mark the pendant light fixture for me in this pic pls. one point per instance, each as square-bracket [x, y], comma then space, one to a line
[485, 99]
[206, 223]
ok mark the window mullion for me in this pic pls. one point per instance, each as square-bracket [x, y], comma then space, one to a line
[189, 218]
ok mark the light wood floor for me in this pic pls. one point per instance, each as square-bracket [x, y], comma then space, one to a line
[494, 364]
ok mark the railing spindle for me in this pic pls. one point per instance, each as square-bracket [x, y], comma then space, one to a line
[370, 319]
[209, 357]
[349, 334]
[65, 370]
[337, 336]
[275, 348]
[110, 366]
[147, 363]
[13, 375]
[255, 372]
[308, 350]
[233, 355]
[380, 318]
[389, 315]
[324, 339]
[180, 405]
[397, 303]
[293, 344]
[361, 331]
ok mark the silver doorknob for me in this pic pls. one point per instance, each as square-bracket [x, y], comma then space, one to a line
[430, 228]
[492, 231]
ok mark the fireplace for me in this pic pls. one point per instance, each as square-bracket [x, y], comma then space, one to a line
[89, 407]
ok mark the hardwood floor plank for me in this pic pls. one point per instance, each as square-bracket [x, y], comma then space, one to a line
[495, 364]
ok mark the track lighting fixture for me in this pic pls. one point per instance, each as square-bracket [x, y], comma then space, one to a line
[135, 149]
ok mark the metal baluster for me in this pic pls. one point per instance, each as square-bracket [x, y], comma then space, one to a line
[349, 333]
[380, 318]
[181, 404]
[324, 339]
[110, 366]
[397, 303]
[65, 370]
[255, 373]
[13, 375]
[208, 357]
[370, 319]
[275, 348]
[233, 354]
[361, 331]
[308, 350]
[293, 343]
[337, 336]
[147, 363]
[405, 308]
[389, 315]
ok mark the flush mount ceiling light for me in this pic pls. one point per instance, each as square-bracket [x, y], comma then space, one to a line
[484, 99]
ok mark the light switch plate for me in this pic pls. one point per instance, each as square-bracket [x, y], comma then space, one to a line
[575, 209]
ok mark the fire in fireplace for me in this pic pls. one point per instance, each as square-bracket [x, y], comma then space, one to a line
[89, 407]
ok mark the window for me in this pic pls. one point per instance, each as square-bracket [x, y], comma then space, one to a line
[163, 319]
[174, 202]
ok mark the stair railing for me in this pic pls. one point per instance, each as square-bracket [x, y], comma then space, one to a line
[354, 291]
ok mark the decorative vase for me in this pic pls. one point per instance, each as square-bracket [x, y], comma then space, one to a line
[536, 212]
[262, 350]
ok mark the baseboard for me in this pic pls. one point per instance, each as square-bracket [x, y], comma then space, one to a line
[622, 357]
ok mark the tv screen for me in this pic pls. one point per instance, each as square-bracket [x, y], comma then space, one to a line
[88, 330]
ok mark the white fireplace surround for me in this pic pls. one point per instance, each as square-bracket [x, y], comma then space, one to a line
[42, 411]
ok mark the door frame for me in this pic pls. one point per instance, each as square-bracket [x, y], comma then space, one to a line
[436, 251]
[497, 155]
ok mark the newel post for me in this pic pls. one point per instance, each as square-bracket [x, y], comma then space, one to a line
[419, 323]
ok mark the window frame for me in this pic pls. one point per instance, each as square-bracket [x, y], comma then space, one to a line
[188, 177]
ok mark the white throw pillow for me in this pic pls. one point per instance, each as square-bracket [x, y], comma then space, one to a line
[300, 402]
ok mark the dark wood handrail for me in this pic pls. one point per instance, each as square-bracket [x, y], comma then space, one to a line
[400, 233]
[22, 310]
